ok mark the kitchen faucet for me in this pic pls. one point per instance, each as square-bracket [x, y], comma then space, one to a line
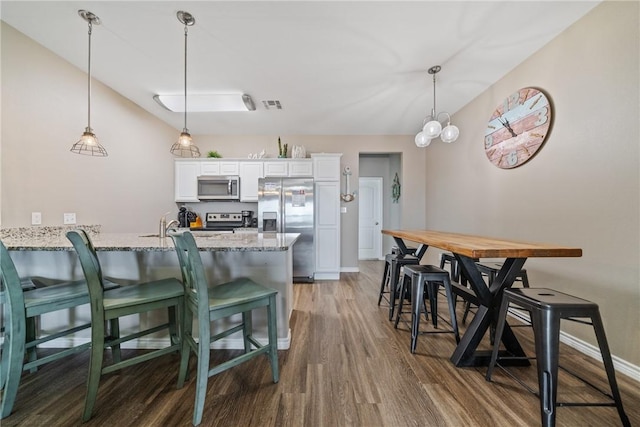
[164, 227]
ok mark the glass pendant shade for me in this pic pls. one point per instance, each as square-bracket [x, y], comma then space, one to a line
[422, 140]
[449, 133]
[432, 129]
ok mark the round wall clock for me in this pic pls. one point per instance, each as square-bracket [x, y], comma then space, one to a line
[517, 128]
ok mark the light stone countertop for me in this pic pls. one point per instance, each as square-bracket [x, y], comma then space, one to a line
[206, 241]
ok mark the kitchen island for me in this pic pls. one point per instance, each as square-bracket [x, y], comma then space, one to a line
[126, 258]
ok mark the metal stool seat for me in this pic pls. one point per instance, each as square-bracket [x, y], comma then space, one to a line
[416, 276]
[391, 276]
[547, 307]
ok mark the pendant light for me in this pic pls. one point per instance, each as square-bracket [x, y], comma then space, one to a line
[185, 146]
[432, 128]
[88, 143]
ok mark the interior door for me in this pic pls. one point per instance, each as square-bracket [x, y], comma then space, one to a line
[370, 218]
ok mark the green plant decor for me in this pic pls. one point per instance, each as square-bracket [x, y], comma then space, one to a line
[214, 154]
[282, 149]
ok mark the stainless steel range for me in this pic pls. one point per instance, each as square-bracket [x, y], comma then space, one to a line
[222, 221]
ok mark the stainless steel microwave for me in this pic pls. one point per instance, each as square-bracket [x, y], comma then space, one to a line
[218, 187]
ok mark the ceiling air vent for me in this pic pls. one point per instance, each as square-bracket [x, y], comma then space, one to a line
[272, 105]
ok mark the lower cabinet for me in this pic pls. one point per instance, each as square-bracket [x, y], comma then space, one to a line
[327, 233]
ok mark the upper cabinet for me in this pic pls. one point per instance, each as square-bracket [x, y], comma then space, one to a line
[301, 167]
[326, 166]
[276, 168]
[187, 172]
[186, 180]
[250, 172]
[288, 167]
[219, 167]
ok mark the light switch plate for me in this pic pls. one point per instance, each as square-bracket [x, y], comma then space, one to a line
[69, 218]
[36, 218]
[343, 209]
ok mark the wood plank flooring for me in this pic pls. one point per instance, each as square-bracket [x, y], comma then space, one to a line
[347, 366]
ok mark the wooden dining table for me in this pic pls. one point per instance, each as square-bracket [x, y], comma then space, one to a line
[467, 249]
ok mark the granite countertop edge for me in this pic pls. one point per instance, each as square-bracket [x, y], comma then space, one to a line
[139, 242]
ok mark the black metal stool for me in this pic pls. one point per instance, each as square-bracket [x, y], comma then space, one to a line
[416, 276]
[547, 307]
[454, 269]
[391, 276]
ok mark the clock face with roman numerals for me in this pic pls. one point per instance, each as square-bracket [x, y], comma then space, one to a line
[517, 128]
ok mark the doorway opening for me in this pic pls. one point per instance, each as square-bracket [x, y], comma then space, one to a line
[376, 204]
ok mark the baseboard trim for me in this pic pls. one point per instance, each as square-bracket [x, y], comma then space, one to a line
[326, 276]
[349, 270]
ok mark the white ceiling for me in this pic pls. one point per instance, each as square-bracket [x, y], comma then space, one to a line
[338, 68]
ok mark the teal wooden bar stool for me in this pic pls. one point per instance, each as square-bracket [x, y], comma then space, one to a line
[107, 305]
[209, 303]
[19, 311]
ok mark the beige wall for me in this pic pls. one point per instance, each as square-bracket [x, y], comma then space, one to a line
[44, 111]
[582, 189]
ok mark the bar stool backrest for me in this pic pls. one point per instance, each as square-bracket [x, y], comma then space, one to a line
[193, 275]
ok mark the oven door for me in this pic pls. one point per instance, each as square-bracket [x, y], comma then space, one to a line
[218, 188]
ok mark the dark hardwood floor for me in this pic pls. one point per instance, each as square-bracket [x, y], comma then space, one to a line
[347, 366]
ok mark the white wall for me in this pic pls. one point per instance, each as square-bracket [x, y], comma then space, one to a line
[582, 189]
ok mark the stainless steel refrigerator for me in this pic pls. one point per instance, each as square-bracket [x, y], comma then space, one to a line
[285, 205]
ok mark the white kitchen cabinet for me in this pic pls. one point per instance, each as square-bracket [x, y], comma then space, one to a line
[276, 168]
[210, 168]
[327, 233]
[229, 168]
[186, 180]
[301, 167]
[219, 167]
[326, 166]
[250, 172]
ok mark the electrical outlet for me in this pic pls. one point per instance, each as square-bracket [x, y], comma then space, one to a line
[69, 218]
[343, 209]
[36, 218]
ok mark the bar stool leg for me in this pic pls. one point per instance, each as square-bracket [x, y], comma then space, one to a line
[403, 289]
[546, 327]
[608, 366]
[417, 295]
[393, 284]
[385, 280]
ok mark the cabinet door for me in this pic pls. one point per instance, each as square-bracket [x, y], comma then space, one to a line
[301, 168]
[326, 167]
[327, 230]
[250, 172]
[276, 168]
[229, 168]
[186, 181]
[211, 167]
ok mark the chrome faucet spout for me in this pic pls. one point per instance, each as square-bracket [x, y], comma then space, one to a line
[171, 223]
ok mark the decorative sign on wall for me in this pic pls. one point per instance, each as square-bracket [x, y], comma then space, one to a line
[517, 128]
